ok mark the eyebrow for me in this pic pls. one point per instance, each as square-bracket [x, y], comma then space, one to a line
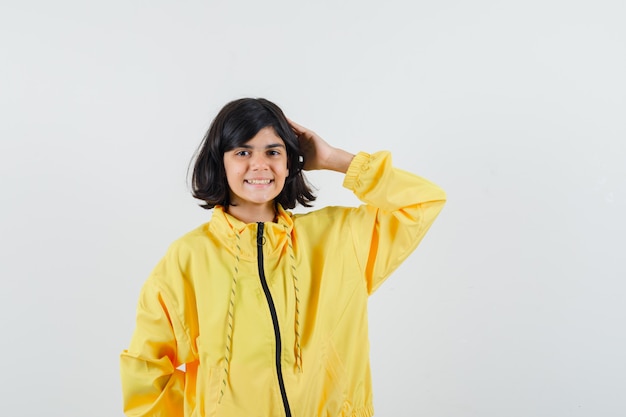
[271, 145]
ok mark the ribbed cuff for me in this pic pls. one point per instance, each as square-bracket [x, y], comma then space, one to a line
[356, 166]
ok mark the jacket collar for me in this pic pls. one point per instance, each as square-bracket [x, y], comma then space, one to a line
[226, 227]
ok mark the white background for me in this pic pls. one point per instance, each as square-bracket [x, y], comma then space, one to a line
[514, 304]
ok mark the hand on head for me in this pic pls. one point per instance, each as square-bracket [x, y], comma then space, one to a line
[318, 154]
[315, 150]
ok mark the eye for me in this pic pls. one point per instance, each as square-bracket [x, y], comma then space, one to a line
[242, 153]
[273, 152]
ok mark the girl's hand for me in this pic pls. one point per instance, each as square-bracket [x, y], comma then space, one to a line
[317, 153]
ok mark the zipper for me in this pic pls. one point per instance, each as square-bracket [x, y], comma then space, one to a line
[272, 307]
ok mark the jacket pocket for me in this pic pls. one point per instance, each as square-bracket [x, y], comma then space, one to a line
[208, 387]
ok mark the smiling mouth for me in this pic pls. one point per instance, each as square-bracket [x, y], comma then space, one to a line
[258, 182]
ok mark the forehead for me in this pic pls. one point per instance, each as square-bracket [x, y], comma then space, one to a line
[266, 137]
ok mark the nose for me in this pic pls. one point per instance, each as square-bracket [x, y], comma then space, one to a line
[259, 162]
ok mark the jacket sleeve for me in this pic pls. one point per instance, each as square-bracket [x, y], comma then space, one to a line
[151, 383]
[400, 208]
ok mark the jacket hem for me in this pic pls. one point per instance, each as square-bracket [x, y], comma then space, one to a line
[365, 411]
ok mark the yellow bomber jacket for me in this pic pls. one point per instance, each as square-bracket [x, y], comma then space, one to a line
[270, 319]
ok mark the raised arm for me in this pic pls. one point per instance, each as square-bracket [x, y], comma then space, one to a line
[400, 206]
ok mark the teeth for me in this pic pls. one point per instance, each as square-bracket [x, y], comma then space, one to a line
[258, 181]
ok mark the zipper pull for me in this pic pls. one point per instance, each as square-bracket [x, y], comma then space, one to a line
[260, 239]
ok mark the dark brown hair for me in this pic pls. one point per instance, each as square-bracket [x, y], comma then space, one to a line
[238, 122]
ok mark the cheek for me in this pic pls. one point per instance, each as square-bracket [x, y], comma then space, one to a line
[232, 170]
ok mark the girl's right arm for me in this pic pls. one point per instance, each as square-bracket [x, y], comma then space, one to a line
[151, 383]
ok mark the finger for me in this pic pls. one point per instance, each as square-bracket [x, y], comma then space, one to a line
[296, 127]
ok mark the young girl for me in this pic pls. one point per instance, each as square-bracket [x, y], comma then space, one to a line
[267, 310]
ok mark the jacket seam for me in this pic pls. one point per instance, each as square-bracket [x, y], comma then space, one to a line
[171, 308]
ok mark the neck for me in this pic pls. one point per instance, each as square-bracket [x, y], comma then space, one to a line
[252, 214]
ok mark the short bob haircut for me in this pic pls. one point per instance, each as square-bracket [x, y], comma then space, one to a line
[238, 122]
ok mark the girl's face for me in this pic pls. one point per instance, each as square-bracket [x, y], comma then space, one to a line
[256, 173]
